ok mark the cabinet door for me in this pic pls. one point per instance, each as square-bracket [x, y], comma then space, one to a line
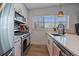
[53, 49]
[56, 50]
[49, 45]
[18, 48]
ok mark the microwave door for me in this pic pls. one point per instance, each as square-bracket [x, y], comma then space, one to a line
[4, 30]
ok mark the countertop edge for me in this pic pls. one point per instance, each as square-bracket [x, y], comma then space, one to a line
[62, 44]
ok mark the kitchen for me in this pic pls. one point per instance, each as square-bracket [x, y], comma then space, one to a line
[39, 29]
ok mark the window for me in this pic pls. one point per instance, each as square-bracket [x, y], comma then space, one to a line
[62, 20]
[42, 22]
[49, 21]
[38, 22]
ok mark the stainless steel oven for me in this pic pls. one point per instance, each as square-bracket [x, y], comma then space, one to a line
[25, 42]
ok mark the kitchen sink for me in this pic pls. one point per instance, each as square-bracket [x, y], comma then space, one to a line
[56, 34]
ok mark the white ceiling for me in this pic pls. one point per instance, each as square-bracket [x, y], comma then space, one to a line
[39, 5]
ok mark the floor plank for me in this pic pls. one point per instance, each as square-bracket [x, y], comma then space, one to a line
[37, 50]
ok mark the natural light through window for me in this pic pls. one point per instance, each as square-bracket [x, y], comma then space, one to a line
[50, 22]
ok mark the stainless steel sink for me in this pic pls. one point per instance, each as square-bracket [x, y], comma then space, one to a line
[56, 34]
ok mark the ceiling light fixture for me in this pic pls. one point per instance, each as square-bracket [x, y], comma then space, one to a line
[60, 13]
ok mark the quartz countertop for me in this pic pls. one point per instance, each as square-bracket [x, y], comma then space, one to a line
[69, 41]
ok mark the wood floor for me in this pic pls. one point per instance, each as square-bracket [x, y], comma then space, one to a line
[37, 50]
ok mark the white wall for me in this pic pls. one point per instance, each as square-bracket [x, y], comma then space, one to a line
[72, 10]
[24, 10]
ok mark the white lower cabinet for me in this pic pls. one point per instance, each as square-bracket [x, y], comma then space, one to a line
[56, 50]
[17, 46]
[49, 45]
[52, 48]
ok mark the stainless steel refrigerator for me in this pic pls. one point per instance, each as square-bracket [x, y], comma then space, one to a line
[6, 29]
